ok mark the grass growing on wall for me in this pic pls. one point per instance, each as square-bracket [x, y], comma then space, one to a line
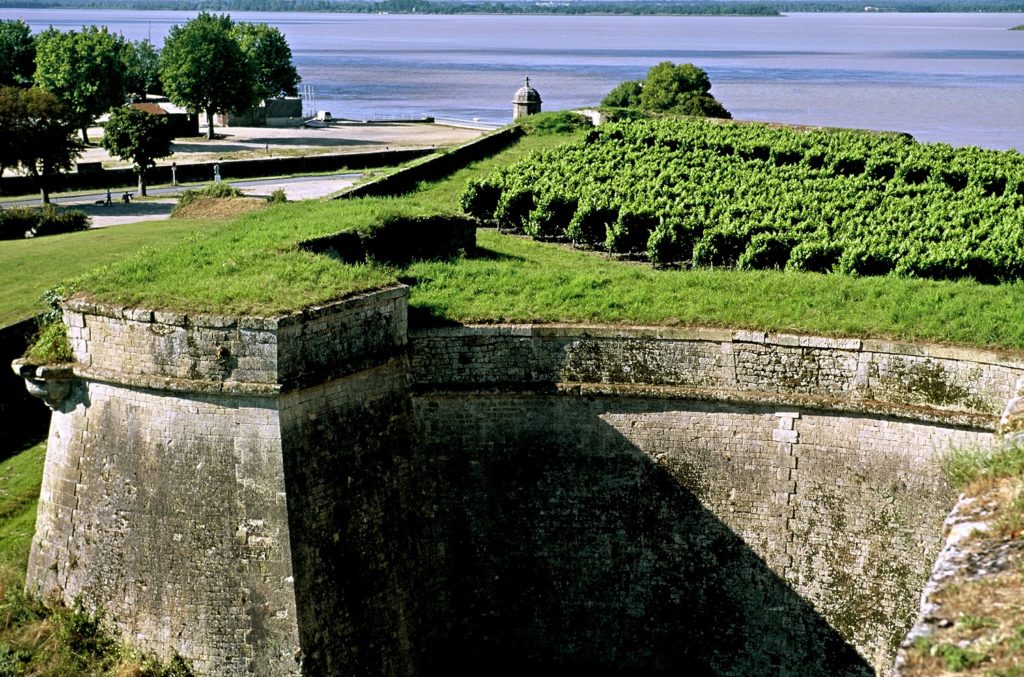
[964, 467]
[250, 265]
[977, 617]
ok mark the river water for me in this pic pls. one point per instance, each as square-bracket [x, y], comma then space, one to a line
[955, 78]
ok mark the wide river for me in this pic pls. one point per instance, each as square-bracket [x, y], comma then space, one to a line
[955, 78]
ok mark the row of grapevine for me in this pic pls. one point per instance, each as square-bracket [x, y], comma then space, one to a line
[754, 196]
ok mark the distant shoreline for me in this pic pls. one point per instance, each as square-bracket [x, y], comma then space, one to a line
[742, 8]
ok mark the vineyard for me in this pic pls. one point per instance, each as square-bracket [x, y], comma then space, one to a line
[689, 192]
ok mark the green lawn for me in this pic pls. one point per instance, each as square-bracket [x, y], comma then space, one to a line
[20, 477]
[519, 280]
[252, 265]
[30, 267]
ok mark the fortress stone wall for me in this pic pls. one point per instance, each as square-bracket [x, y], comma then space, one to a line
[332, 493]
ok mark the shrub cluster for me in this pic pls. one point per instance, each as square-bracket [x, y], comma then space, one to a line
[21, 222]
[399, 240]
[756, 197]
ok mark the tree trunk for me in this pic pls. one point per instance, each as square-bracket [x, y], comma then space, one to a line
[142, 182]
[209, 123]
[85, 134]
[40, 180]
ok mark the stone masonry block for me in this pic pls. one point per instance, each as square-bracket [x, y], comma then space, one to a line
[744, 336]
[787, 436]
[137, 315]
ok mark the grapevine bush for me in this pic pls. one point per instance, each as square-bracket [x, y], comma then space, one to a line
[691, 192]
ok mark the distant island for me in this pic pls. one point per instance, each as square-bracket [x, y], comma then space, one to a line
[1018, 28]
[566, 7]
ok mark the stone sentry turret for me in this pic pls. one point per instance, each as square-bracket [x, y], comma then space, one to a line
[526, 101]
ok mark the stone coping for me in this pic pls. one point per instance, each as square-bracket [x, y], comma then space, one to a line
[81, 304]
[178, 385]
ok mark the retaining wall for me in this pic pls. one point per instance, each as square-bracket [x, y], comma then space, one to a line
[796, 477]
[229, 169]
[405, 180]
[329, 493]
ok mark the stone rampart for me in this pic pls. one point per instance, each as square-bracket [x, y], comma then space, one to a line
[329, 493]
[796, 478]
[172, 494]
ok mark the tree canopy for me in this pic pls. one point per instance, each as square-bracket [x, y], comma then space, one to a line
[625, 95]
[682, 89]
[38, 134]
[137, 137]
[203, 68]
[271, 59]
[17, 53]
[84, 69]
[142, 68]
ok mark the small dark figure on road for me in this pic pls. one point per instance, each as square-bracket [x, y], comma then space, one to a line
[108, 202]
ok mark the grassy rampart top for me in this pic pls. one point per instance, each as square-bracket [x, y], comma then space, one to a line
[254, 265]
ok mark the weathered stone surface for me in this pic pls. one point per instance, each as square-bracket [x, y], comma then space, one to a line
[322, 493]
[846, 369]
[806, 551]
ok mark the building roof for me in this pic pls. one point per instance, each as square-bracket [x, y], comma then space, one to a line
[526, 94]
[150, 108]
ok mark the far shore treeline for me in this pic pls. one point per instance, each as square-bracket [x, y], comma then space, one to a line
[564, 7]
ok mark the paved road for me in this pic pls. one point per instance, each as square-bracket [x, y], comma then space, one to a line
[162, 200]
[296, 187]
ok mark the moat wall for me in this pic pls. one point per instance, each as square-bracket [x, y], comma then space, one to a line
[330, 493]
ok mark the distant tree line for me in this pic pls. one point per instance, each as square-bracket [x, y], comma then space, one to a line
[584, 7]
[54, 85]
[566, 7]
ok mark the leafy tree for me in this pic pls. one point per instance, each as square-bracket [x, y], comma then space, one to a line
[84, 69]
[10, 116]
[38, 134]
[142, 68]
[668, 85]
[137, 137]
[17, 53]
[204, 69]
[271, 59]
[624, 95]
[683, 90]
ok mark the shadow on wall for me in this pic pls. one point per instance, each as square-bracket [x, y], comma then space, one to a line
[570, 547]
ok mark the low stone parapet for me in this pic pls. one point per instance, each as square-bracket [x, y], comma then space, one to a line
[719, 364]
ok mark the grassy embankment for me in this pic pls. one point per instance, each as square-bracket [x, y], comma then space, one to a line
[252, 265]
